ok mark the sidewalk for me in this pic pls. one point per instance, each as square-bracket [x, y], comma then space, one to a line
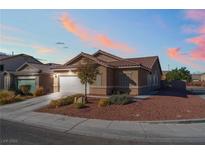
[169, 133]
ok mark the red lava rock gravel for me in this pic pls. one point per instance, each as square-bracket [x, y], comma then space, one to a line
[167, 105]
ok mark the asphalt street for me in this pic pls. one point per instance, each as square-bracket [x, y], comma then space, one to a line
[12, 133]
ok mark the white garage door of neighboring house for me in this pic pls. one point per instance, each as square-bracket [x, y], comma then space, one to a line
[72, 84]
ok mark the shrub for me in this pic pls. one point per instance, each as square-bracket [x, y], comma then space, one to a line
[6, 97]
[25, 89]
[55, 104]
[119, 99]
[39, 91]
[103, 102]
[62, 101]
[19, 98]
[6, 94]
[80, 103]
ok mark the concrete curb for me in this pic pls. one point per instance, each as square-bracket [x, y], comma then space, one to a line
[180, 121]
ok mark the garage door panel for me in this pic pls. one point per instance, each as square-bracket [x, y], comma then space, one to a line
[71, 84]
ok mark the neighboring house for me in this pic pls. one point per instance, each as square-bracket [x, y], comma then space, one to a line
[3, 55]
[24, 69]
[203, 77]
[164, 73]
[133, 75]
[196, 77]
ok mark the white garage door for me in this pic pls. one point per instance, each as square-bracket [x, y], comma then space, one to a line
[72, 84]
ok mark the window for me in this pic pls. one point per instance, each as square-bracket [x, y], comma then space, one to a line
[98, 80]
[1, 68]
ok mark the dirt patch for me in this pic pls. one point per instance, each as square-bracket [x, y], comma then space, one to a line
[167, 105]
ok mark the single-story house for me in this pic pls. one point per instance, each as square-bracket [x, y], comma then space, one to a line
[129, 75]
[24, 69]
[196, 77]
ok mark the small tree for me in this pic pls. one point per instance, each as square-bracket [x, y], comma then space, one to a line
[87, 74]
[179, 74]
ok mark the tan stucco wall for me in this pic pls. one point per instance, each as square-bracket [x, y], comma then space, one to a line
[100, 90]
[46, 81]
[144, 86]
[133, 85]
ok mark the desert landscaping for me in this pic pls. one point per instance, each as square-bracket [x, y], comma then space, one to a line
[166, 105]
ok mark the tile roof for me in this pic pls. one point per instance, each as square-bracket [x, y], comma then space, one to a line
[20, 55]
[41, 67]
[123, 63]
[3, 56]
[107, 54]
[145, 61]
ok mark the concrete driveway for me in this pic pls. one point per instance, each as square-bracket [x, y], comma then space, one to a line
[30, 104]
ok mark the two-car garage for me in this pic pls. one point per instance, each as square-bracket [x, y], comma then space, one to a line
[71, 84]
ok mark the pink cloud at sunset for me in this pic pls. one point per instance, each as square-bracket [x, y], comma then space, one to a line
[198, 52]
[199, 40]
[43, 50]
[175, 54]
[19, 42]
[196, 15]
[87, 35]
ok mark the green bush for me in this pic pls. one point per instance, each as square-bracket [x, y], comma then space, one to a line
[25, 89]
[80, 103]
[39, 91]
[103, 102]
[119, 99]
[63, 101]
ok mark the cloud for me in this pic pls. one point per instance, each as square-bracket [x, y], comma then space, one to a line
[89, 36]
[198, 52]
[15, 40]
[43, 50]
[196, 15]
[4, 27]
[176, 54]
[60, 43]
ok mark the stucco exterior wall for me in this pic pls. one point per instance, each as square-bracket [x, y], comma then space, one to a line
[102, 89]
[149, 81]
[143, 85]
[46, 81]
[131, 75]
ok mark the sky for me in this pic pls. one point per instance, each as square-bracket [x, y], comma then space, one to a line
[176, 36]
